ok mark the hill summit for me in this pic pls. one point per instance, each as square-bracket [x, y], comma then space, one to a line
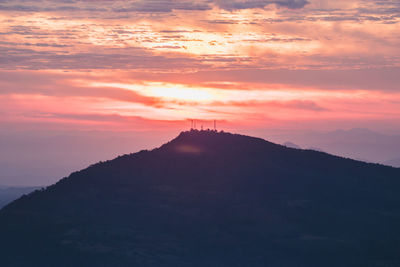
[209, 198]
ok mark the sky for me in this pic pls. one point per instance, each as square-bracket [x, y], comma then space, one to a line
[142, 69]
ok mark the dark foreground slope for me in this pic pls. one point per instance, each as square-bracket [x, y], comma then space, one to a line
[211, 199]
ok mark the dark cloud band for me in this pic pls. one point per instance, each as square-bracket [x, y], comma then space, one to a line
[145, 6]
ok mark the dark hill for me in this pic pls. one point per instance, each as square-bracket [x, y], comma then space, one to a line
[211, 199]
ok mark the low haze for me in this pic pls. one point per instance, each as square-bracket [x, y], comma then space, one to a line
[38, 158]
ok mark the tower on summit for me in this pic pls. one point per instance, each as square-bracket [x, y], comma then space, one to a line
[193, 126]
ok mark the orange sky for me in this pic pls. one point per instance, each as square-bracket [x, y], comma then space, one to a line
[134, 65]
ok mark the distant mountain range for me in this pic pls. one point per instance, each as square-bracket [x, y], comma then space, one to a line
[360, 144]
[291, 145]
[8, 194]
[211, 199]
[393, 162]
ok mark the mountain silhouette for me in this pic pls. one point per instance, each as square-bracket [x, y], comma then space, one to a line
[210, 199]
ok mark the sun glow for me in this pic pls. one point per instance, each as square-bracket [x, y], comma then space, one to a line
[180, 93]
[176, 93]
[168, 92]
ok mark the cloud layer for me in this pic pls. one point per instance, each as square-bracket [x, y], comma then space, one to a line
[251, 62]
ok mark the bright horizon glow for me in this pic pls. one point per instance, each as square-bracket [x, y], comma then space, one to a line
[166, 91]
